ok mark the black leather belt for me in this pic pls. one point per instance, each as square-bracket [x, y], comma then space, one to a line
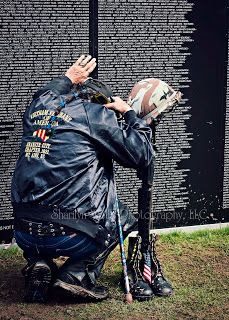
[42, 228]
[39, 212]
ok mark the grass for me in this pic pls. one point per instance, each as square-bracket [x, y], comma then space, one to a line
[196, 264]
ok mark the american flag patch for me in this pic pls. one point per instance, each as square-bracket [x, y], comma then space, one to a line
[147, 267]
[41, 133]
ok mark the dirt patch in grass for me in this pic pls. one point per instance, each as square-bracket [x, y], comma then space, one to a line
[196, 264]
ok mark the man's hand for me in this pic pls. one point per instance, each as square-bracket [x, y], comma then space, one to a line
[118, 105]
[80, 70]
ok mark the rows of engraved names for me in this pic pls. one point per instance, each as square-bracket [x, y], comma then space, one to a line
[143, 39]
[40, 40]
[226, 147]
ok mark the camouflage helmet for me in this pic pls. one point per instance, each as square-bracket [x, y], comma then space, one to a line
[151, 97]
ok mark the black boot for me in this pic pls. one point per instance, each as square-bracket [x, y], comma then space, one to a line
[160, 285]
[37, 281]
[139, 287]
[78, 279]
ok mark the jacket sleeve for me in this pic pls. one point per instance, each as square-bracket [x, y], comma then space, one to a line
[128, 144]
[60, 85]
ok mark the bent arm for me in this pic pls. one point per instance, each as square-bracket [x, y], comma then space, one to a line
[129, 145]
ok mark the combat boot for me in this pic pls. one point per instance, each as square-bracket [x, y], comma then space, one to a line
[160, 285]
[140, 287]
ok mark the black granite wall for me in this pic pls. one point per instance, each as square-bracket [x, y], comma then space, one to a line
[184, 42]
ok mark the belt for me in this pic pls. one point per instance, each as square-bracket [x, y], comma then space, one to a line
[38, 212]
[41, 228]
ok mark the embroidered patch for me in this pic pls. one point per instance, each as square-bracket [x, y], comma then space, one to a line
[37, 150]
[44, 122]
[41, 133]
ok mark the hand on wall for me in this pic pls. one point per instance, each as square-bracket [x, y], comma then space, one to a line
[81, 69]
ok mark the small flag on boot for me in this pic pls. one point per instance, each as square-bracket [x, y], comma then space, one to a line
[147, 267]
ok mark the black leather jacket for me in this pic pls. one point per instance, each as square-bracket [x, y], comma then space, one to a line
[68, 178]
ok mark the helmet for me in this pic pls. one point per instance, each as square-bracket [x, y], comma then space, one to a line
[151, 97]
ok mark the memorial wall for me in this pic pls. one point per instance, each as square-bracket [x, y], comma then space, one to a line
[184, 43]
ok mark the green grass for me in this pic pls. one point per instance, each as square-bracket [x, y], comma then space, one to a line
[196, 263]
[179, 236]
[13, 252]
